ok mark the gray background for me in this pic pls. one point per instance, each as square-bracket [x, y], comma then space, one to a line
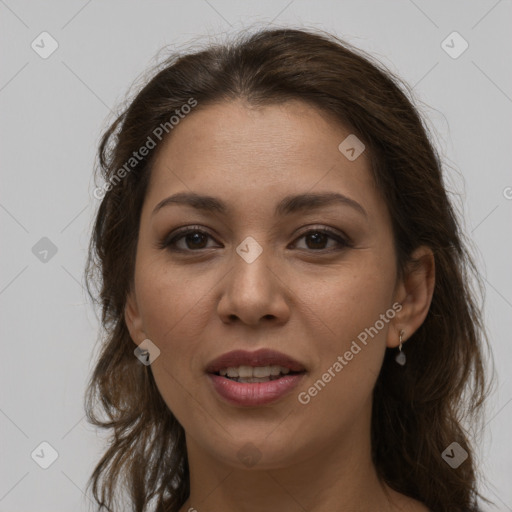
[52, 112]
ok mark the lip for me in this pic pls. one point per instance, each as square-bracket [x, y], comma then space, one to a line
[262, 357]
[250, 394]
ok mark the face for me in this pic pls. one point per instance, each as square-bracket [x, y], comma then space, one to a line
[313, 281]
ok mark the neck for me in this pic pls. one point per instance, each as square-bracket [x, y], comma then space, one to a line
[334, 475]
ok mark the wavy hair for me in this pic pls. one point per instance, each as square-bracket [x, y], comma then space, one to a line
[418, 409]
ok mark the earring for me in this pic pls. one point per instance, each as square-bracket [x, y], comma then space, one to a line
[400, 357]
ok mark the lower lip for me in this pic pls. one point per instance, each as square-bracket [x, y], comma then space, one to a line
[254, 393]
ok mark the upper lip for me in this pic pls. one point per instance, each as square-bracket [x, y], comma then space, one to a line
[262, 357]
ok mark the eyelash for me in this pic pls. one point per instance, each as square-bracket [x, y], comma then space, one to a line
[168, 243]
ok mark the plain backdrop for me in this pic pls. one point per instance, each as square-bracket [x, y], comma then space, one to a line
[52, 112]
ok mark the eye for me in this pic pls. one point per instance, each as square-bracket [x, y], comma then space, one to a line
[318, 237]
[193, 239]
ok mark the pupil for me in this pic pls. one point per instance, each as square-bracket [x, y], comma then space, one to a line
[318, 238]
[196, 238]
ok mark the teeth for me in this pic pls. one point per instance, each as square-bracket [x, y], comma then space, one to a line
[244, 372]
[257, 372]
[232, 372]
[265, 371]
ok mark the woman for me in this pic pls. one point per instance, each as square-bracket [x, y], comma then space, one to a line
[284, 289]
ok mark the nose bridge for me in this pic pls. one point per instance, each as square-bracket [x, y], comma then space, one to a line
[253, 289]
[251, 266]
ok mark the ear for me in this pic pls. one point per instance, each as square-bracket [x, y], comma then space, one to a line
[133, 319]
[414, 292]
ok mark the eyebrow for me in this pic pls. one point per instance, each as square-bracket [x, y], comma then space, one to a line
[288, 205]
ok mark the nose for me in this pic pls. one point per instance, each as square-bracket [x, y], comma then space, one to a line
[255, 292]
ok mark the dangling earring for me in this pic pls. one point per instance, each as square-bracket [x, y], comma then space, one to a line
[400, 357]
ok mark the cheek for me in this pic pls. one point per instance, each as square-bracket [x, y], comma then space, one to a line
[355, 306]
[173, 310]
[175, 317]
[352, 297]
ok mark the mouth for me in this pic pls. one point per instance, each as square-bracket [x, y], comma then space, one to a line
[258, 378]
[261, 364]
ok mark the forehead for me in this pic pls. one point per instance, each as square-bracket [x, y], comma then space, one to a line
[233, 148]
[293, 129]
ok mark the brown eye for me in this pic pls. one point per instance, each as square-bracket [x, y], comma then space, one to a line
[316, 240]
[194, 240]
[191, 239]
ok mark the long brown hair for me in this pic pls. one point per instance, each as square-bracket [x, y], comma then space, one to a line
[419, 409]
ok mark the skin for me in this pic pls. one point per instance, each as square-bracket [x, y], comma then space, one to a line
[296, 297]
